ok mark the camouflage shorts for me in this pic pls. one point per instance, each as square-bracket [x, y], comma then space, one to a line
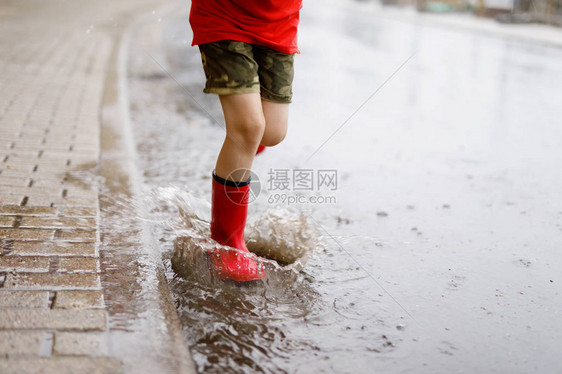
[233, 67]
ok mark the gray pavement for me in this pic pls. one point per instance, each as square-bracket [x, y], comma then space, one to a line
[446, 196]
[57, 59]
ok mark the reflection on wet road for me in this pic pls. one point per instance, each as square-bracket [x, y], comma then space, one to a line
[441, 245]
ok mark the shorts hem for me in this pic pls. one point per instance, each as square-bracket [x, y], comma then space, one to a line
[271, 97]
[231, 91]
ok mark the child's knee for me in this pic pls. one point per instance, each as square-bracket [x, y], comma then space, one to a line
[272, 138]
[249, 129]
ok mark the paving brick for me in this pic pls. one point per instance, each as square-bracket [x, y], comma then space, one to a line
[19, 173]
[52, 164]
[16, 181]
[40, 167]
[54, 155]
[78, 265]
[23, 299]
[11, 199]
[54, 200]
[34, 160]
[51, 281]
[55, 248]
[7, 221]
[21, 167]
[78, 299]
[62, 365]
[24, 264]
[73, 155]
[24, 154]
[76, 235]
[59, 201]
[26, 191]
[58, 222]
[27, 210]
[14, 343]
[58, 319]
[74, 193]
[27, 234]
[46, 181]
[79, 212]
[85, 147]
[33, 145]
[80, 344]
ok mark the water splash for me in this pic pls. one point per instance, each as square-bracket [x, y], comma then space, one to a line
[282, 241]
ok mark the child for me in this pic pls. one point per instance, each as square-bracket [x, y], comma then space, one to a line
[247, 50]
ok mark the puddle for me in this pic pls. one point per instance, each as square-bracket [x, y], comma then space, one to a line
[420, 229]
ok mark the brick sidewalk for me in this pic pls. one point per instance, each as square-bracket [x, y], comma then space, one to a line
[53, 65]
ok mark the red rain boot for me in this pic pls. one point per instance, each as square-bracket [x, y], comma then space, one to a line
[261, 148]
[229, 209]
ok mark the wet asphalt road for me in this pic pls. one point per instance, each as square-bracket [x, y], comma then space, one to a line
[443, 235]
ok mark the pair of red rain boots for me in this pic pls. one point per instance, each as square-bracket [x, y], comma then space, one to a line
[229, 209]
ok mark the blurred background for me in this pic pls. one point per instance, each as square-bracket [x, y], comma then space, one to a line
[506, 11]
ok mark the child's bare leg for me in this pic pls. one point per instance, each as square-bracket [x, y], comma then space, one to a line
[245, 124]
[276, 118]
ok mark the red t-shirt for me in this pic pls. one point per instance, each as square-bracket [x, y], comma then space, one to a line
[272, 23]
